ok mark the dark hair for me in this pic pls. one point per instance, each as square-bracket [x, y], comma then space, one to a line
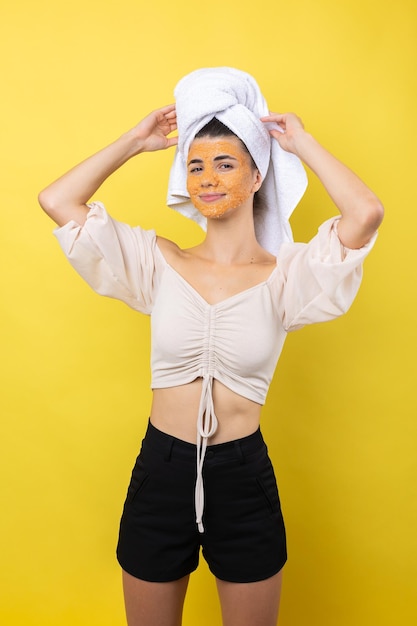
[215, 128]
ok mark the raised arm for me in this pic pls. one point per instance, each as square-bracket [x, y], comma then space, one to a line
[361, 210]
[66, 198]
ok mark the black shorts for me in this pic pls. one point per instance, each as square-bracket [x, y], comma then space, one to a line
[244, 534]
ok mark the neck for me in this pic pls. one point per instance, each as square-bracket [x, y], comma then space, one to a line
[231, 239]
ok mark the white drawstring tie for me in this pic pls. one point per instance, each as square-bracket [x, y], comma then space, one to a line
[206, 427]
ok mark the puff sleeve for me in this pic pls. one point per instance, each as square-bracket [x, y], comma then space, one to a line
[115, 259]
[319, 280]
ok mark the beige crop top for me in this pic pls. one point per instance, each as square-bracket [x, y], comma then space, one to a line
[236, 341]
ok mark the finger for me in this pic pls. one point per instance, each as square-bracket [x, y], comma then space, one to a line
[167, 109]
[272, 117]
[171, 116]
[171, 141]
[276, 134]
[272, 124]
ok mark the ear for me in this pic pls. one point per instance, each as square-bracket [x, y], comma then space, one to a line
[258, 182]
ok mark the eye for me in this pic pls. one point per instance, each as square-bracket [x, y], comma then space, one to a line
[225, 166]
[195, 169]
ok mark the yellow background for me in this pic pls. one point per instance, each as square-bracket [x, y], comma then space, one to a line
[341, 416]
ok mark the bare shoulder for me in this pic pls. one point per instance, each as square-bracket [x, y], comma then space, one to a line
[169, 248]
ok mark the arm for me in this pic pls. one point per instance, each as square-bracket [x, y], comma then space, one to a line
[65, 199]
[361, 210]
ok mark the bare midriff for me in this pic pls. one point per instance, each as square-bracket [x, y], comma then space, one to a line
[174, 411]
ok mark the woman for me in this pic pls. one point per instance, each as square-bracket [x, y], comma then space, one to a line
[220, 313]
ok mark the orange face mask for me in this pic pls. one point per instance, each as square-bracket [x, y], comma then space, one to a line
[220, 175]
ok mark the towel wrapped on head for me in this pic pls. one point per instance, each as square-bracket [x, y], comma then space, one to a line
[234, 98]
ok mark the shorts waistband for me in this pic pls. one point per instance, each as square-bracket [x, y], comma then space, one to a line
[169, 445]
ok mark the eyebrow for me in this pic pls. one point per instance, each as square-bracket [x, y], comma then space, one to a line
[220, 157]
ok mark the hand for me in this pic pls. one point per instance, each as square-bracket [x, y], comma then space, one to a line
[361, 210]
[152, 132]
[291, 126]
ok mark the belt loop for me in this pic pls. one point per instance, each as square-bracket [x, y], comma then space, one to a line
[239, 452]
[168, 452]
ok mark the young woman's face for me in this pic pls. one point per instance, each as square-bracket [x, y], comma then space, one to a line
[220, 175]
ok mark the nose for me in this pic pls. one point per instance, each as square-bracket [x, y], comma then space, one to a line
[208, 179]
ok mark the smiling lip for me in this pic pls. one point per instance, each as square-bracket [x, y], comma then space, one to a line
[211, 197]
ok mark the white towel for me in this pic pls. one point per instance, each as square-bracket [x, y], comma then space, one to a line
[234, 98]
